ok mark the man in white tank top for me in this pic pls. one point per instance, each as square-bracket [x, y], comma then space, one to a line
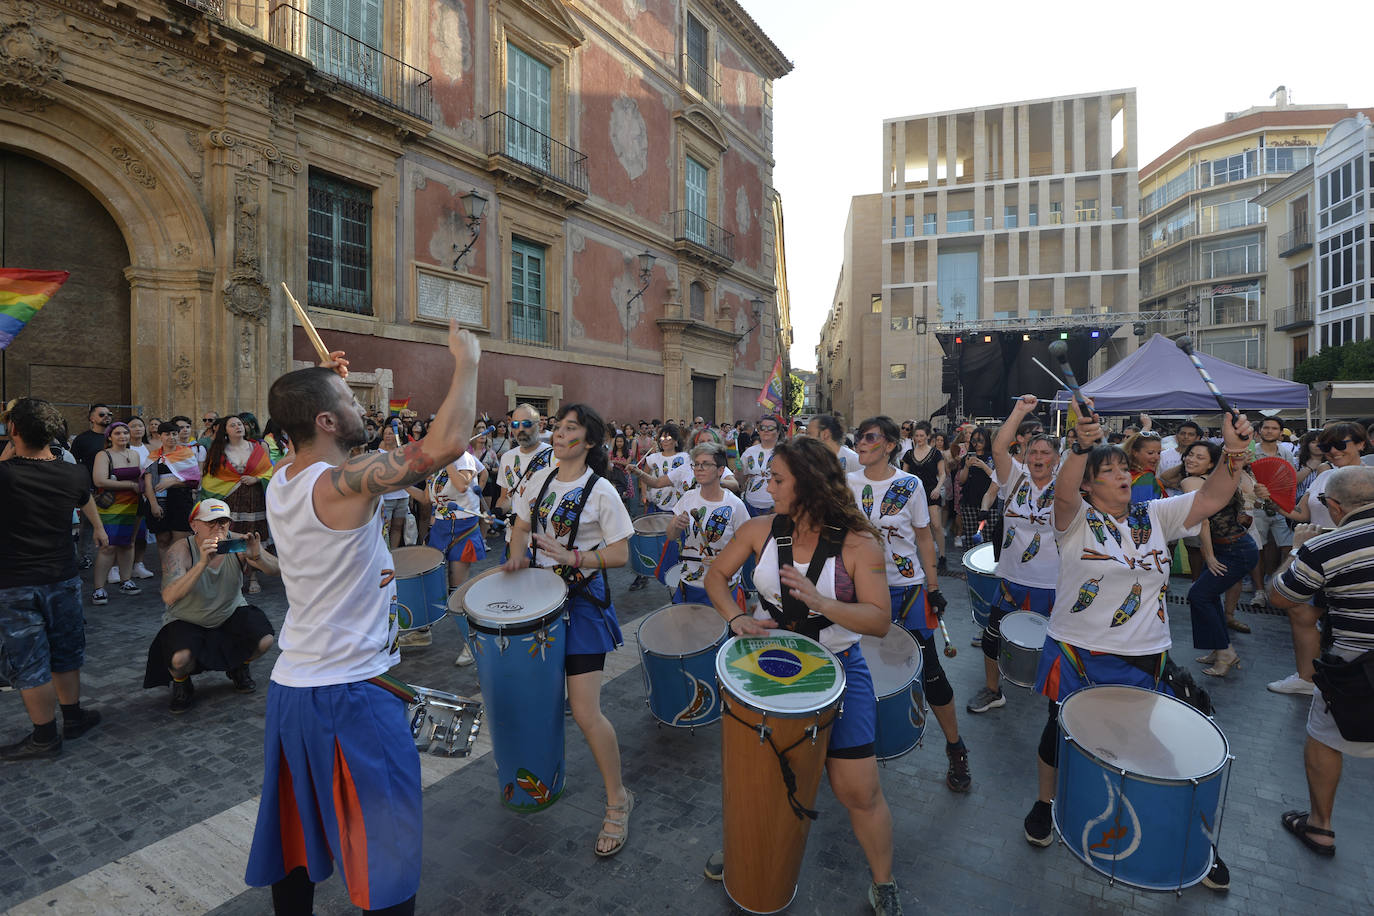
[342, 776]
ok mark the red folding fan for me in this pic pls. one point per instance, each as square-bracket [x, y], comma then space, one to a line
[1279, 478]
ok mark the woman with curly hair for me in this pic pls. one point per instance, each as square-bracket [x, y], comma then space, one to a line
[812, 502]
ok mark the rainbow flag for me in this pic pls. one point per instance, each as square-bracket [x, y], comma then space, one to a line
[224, 480]
[397, 405]
[771, 397]
[181, 461]
[22, 294]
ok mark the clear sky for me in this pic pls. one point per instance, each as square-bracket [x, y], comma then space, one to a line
[861, 61]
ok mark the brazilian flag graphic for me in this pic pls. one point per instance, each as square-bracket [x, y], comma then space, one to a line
[771, 666]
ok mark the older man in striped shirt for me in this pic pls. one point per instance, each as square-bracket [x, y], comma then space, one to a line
[1338, 564]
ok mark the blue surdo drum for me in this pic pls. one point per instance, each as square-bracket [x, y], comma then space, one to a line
[648, 541]
[894, 661]
[677, 653]
[518, 633]
[421, 586]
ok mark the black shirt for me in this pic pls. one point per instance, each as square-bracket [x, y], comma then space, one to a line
[85, 447]
[36, 540]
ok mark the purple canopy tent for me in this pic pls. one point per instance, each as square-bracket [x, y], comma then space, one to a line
[1160, 377]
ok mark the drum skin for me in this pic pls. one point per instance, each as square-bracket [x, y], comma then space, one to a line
[1023, 639]
[980, 563]
[518, 633]
[677, 654]
[1140, 786]
[895, 663]
[646, 544]
[764, 839]
[421, 586]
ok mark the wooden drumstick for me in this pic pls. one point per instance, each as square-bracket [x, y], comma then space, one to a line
[309, 325]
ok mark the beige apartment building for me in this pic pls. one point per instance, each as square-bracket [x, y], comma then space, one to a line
[995, 224]
[1206, 243]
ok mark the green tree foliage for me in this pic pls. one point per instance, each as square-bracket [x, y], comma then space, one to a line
[1352, 362]
[796, 395]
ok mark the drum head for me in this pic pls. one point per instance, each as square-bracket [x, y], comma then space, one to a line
[455, 597]
[653, 524]
[500, 598]
[894, 661]
[673, 577]
[1026, 629]
[1143, 732]
[415, 561]
[785, 675]
[981, 559]
[681, 629]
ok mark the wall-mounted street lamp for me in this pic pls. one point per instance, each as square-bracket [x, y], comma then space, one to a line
[646, 270]
[756, 308]
[921, 325]
[474, 205]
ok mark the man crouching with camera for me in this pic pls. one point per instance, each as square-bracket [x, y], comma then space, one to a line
[208, 625]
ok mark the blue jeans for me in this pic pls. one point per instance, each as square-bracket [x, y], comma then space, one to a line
[1208, 592]
[42, 630]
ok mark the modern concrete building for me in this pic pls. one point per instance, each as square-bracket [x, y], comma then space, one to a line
[396, 164]
[1289, 275]
[996, 219]
[1344, 179]
[1204, 238]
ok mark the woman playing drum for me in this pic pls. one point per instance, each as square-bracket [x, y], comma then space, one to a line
[1029, 565]
[849, 599]
[709, 516]
[1110, 624]
[581, 529]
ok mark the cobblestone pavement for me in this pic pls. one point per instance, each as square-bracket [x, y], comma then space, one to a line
[152, 813]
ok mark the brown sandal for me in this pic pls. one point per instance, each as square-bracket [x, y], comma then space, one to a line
[623, 822]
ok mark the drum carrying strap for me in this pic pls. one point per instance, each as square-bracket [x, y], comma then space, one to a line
[789, 776]
[577, 581]
[794, 615]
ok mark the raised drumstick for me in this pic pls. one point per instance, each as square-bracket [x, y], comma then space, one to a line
[950, 651]
[309, 325]
[1060, 351]
[1186, 345]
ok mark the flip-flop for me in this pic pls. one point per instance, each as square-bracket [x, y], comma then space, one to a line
[623, 822]
[1295, 822]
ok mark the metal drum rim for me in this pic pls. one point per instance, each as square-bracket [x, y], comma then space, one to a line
[968, 554]
[493, 626]
[711, 647]
[1211, 774]
[841, 682]
[516, 629]
[668, 516]
[905, 688]
[421, 572]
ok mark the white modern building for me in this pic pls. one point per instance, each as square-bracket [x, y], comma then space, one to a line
[1344, 179]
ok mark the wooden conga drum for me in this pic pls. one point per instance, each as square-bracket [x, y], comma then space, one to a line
[780, 696]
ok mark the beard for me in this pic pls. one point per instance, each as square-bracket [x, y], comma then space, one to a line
[352, 432]
[527, 437]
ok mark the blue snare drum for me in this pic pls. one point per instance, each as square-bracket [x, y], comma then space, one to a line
[646, 544]
[518, 635]
[677, 653]
[895, 664]
[981, 565]
[1140, 789]
[421, 586]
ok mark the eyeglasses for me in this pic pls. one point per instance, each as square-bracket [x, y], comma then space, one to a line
[1339, 446]
[1327, 500]
[705, 465]
[871, 437]
[522, 424]
[768, 429]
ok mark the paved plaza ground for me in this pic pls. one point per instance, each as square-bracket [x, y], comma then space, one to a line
[152, 813]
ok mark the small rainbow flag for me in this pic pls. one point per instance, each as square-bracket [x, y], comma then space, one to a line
[771, 397]
[397, 405]
[22, 294]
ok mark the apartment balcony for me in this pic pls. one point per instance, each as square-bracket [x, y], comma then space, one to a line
[1294, 317]
[533, 326]
[361, 67]
[696, 236]
[1290, 243]
[526, 154]
[1241, 313]
[699, 78]
[209, 7]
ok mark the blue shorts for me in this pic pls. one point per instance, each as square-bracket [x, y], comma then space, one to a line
[1012, 596]
[691, 594]
[341, 783]
[592, 630]
[755, 511]
[911, 608]
[1059, 674]
[458, 539]
[856, 726]
[42, 630]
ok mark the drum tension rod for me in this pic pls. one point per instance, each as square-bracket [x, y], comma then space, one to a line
[813, 731]
[765, 732]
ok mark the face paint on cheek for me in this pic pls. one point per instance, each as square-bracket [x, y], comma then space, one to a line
[574, 442]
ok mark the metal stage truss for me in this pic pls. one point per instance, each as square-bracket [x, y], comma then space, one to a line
[1089, 320]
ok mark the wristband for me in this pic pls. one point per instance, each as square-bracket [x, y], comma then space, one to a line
[577, 558]
[731, 622]
[1080, 450]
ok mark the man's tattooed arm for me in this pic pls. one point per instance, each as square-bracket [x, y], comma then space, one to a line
[376, 473]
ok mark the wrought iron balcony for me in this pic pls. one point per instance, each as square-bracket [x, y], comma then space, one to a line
[700, 79]
[359, 66]
[1294, 317]
[533, 326]
[1295, 241]
[211, 7]
[694, 233]
[515, 141]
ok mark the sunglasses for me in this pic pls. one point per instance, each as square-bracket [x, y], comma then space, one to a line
[1338, 446]
[768, 429]
[207, 419]
[871, 437]
[522, 424]
[1148, 434]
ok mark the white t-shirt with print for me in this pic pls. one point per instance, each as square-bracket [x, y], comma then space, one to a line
[446, 500]
[755, 462]
[1318, 488]
[1114, 577]
[604, 519]
[1029, 554]
[897, 506]
[661, 465]
[710, 526]
[516, 461]
[849, 460]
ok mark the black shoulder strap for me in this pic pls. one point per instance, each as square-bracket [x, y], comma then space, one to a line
[575, 578]
[794, 614]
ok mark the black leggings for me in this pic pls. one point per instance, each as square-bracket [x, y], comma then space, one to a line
[294, 895]
[1049, 738]
[933, 680]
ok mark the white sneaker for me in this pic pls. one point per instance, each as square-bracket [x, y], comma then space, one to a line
[113, 577]
[959, 540]
[129, 588]
[142, 572]
[1292, 684]
[465, 657]
[415, 639]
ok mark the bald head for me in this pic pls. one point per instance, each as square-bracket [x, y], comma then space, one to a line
[1351, 487]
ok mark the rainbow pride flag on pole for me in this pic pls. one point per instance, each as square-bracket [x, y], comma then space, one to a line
[22, 294]
[772, 397]
[397, 405]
